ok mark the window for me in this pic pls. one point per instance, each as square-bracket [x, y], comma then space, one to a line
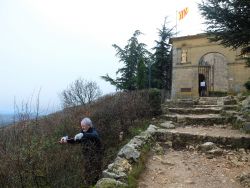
[184, 56]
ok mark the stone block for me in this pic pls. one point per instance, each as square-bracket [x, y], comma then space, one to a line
[109, 183]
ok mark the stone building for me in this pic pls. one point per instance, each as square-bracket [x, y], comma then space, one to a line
[196, 59]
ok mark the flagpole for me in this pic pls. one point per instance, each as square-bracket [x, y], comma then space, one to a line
[176, 22]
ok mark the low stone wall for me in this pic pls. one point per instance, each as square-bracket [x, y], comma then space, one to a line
[116, 175]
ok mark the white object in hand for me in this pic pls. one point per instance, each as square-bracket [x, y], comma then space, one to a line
[78, 136]
[64, 139]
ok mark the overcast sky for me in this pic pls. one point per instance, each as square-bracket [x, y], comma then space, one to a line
[47, 44]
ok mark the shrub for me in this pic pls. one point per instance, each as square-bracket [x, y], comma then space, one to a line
[247, 85]
[155, 101]
[31, 156]
[217, 94]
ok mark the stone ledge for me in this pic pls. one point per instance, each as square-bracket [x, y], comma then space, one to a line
[184, 138]
[117, 172]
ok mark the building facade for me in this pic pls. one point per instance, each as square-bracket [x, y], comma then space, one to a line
[196, 60]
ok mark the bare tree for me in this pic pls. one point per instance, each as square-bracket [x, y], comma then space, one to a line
[80, 92]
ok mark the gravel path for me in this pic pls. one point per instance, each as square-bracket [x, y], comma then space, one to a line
[190, 169]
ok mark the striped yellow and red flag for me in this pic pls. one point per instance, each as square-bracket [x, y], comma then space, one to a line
[183, 13]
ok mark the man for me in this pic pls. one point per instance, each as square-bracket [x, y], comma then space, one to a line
[203, 88]
[91, 148]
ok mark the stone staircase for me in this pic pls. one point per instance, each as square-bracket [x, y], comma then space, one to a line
[208, 119]
[206, 111]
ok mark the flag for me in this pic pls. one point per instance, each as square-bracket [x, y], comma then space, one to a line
[183, 13]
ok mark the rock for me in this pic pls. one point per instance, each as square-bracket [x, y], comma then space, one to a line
[244, 179]
[158, 149]
[242, 151]
[189, 182]
[207, 146]
[151, 128]
[190, 147]
[246, 126]
[129, 152]
[167, 125]
[215, 152]
[168, 144]
[165, 162]
[146, 136]
[241, 97]
[109, 183]
[246, 104]
[117, 175]
[229, 100]
[120, 165]
[137, 142]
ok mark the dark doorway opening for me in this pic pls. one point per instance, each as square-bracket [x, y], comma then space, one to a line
[202, 89]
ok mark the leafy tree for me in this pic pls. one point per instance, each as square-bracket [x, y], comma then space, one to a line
[80, 92]
[228, 21]
[141, 75]
[131, 55]
[162, 66]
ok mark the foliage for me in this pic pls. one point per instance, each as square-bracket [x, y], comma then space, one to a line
[162, 66]
[155, 101]
[139, 167]
[31, 156]
[247, 85]
[217, 94]
[247, 61]
[133, 53]
[80, 92]
[141, 75]
[232, 27]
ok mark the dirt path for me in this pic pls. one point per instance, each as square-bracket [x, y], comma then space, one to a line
[190, 169]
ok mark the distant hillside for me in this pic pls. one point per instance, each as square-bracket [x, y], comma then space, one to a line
[6, 119]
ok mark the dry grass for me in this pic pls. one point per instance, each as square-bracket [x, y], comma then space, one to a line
[31, 156]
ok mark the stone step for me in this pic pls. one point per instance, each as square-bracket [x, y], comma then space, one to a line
[207, 106]
[194, 119]
[207, 102]
[224, 107]
[180, 103]
[198, 135]
[209, 99]
[194, 110]
[230, 107]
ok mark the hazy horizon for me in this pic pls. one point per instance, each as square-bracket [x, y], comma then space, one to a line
[46, 45]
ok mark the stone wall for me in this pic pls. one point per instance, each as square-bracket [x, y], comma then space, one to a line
[116, 175]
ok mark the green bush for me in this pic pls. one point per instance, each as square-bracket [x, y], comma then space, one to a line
[248, 61]
[247, 85]
[155, 101]
[30, 153]
[217, 94]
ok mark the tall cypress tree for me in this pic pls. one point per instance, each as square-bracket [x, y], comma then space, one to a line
[162, 66]
[131, 55]
[141, 75]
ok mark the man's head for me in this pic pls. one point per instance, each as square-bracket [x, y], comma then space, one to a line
[86, 123]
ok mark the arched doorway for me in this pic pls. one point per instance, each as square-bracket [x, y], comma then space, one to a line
[213, 67]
